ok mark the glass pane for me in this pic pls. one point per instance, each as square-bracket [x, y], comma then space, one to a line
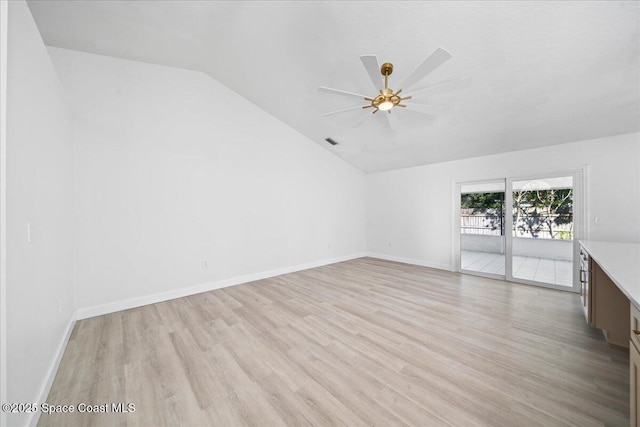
[543, 230]
[482, 228]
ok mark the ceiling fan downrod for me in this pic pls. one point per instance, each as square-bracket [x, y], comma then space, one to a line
[387, 98]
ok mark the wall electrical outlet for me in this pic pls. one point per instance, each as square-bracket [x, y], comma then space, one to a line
[205, 264]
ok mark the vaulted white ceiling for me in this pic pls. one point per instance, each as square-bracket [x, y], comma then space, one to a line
[543, 73]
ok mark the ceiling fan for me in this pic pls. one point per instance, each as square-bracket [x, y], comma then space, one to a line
[387, 99]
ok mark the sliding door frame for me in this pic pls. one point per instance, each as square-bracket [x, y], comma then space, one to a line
[457, 229]
[578, 220]
[579, 226]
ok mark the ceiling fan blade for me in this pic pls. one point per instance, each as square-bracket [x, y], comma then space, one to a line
[436, 59]
[392, 119]
[443, 87]
[341, 92]
[359, 107]
[370, 63]
[364, 118]
[424, 108]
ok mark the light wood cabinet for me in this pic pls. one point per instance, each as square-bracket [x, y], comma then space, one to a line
[635, 326]
[610, 278]
[634, 366]
[585, 285]
[610, 307]
[634, 383]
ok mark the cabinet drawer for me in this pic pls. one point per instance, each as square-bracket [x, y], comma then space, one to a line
[635, 325]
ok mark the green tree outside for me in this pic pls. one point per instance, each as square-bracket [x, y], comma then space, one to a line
[535, 212]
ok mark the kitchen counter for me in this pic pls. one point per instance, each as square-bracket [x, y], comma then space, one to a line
[621, 262]
[611, 295]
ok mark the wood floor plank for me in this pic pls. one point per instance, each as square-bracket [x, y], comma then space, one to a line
[358, 343]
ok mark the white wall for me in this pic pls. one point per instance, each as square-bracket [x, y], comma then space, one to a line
[173, 168]
[40, 277]
[4, 7]
[410, 211]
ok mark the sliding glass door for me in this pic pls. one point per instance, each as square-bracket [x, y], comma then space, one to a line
[542, 230]
[522, 229]
[482, 228]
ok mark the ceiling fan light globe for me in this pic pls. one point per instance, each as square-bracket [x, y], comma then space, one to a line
[385, 106]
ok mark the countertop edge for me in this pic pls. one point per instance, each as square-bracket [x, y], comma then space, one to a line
[613, 275]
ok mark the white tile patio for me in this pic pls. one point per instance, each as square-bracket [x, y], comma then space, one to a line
[545, 270]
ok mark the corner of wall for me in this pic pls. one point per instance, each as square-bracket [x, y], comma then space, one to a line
[412, 261]
[37, 121]
[32, 421]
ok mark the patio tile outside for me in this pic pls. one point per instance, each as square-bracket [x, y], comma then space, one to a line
[544, 270]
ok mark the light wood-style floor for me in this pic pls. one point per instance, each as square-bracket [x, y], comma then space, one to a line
[363, 342]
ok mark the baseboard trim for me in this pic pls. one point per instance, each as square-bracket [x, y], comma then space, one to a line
[99, 310]
[411, 261]
[85, 313]
[45, 388]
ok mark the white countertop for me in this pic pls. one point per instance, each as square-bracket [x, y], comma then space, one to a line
[621, 262]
